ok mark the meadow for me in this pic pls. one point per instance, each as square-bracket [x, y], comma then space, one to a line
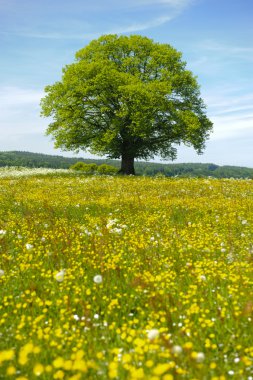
[125, 278]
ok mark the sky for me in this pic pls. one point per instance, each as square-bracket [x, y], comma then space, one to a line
[39, 37]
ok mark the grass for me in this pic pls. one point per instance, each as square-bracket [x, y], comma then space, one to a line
[125, 278]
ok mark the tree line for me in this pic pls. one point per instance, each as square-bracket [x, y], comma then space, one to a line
[39, 160]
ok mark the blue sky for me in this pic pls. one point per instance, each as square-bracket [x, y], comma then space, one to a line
[39, 37]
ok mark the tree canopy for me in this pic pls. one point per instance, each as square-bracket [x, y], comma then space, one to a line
[129, 98]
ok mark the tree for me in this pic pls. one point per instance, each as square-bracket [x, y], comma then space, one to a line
[127, 97]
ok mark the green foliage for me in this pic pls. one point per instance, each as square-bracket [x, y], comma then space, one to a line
[126, 97]
[94, 168]
[106, 169]
[86, 168]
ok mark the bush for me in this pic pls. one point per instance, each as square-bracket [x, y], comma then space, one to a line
[106, 169]
[86, 168]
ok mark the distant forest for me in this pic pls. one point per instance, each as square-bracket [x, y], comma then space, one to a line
[37, 160]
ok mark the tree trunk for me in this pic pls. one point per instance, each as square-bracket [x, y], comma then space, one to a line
[127, 165]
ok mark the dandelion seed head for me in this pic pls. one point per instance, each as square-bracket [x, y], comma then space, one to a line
[152, 334]
[177, 350]
[198, 356]
[60, 276]
[98, 279]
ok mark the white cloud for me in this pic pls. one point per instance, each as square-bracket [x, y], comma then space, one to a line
[231, 127]
[127, 28]
[231, 111]
[224, 101]
[162, 10]
[15, 97]
[137, 27]
[225, 50]
[123, 4]
[171, 3]
[53, 35]
[20, 111]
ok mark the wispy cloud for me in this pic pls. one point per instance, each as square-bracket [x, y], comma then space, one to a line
[231, 127]
[231, 111]
[53, 35]
[137, 27]
[176, 4]
[138, 11]
[17, 97]
[232, 51]
[20, 111]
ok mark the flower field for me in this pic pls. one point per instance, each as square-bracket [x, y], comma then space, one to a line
[125, 278]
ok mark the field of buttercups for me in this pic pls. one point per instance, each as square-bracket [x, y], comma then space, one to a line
[125, 278]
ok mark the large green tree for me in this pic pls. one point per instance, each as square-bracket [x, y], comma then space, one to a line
[127, 97]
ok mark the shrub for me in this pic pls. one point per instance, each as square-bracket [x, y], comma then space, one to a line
[86, 168]
[106, 169]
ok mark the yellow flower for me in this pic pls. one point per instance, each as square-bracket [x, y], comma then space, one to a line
[79, 365]
[149, 363]
[113, 370]
[58, 362]
[68, 365]
[168, 377]
[6, 355]
[188, 345]
[59, 375]
[38, 369]
[10, 371]
[160, 369]
[138, 373]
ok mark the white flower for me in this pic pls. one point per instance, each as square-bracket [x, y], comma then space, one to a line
[98, 279]
[2, 232]
[244, 221]
[76, 317]
[96, 316]
[28, 246]
[152, 334]
[116, 230]
[177, 350]
[20, 172]
[203, 277]
[1, 273]
[200, 357]
[60, 275]
[111, 222]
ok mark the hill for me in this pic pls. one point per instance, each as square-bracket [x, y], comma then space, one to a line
[35, 160]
